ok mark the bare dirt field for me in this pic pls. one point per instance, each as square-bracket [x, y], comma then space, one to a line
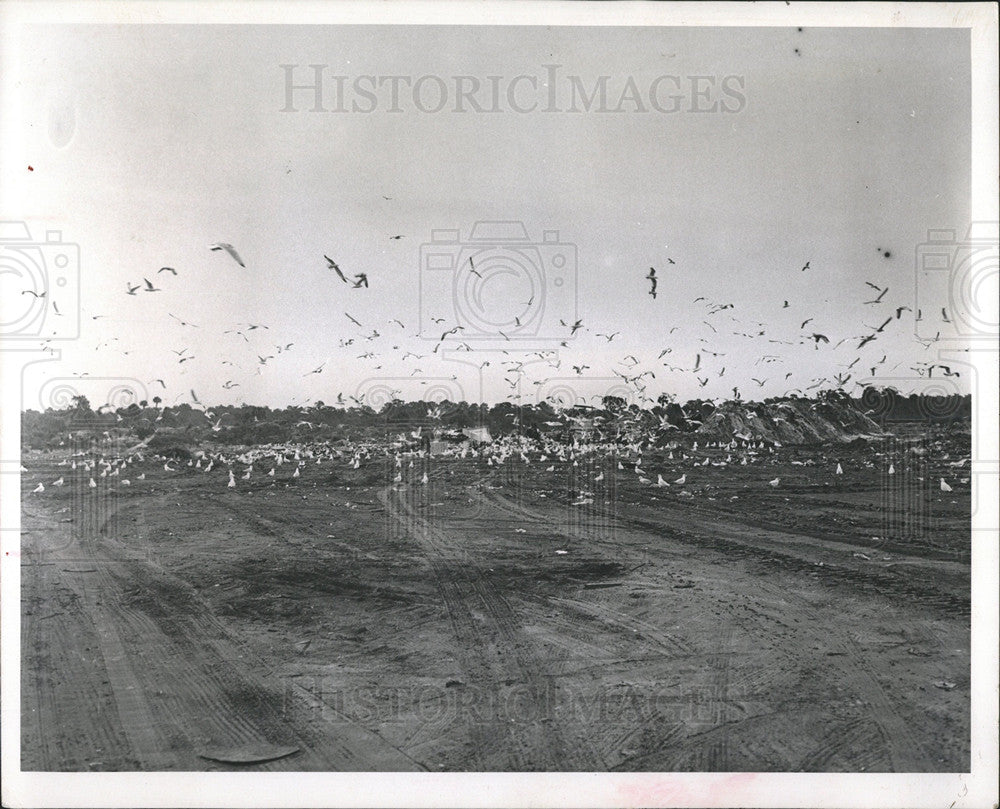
[482, 621]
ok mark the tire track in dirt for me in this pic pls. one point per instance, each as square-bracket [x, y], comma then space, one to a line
[903, 749]
[212, 695]
[342, 744]
[530, 744]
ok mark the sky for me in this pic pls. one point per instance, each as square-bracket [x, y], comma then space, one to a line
[770, 148]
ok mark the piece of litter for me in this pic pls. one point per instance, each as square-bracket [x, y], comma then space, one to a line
[247, 754]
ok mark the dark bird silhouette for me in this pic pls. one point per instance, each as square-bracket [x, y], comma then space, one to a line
[900, 310]
[652, 280]
[944, 315]
[166, 269]
[888, 320]
[472, 268]
[42, 294]
[333, 266]
[150, 287]
[804, 322]
[819, 338]
[880, 296]
[361, 279]
[574, 327]
[805, 266]
[352, 319]
[396, 237]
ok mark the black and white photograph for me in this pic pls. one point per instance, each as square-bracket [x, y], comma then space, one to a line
[546, 404]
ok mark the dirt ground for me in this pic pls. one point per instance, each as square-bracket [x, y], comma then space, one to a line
[482, 621]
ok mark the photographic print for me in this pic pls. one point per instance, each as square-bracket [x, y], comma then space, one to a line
[414, 402]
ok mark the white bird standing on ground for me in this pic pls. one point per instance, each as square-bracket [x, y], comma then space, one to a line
[944, 486]
[776, 482]
[38, 489]
[232, 480]
[840, 470]
[892, 469]
[58, 482]
[660, 481]
[681, 480]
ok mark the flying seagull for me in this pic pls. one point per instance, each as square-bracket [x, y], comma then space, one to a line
[652, 280]
[166, 269]
[333, 266]
[229, 249]
[361, 279]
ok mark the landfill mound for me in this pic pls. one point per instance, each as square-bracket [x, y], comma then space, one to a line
[790, 421]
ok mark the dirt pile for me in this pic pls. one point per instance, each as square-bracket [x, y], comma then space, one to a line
[790, 421]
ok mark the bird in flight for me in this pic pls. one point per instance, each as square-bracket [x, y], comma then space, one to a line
[900, 310]
[573, 329]
[944, 315]
[352, 319]
[609, 337]
[454, 330]
[360, 280]
[652, 280]
[166, 269]
[229, 249]
[880, 296]
[150, 287]
[472, 268]
[580, 368]
[333, 266]
[396, 237]
[804, 322]
[37, 294]
[182, 322]
[819, 338]
[805, 267]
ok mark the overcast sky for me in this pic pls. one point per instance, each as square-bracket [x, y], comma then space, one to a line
[836, 147]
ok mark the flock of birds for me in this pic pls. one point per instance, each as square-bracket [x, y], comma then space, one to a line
[403, 462]
[694, 352]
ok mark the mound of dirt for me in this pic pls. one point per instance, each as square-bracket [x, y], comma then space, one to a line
[790, 421]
